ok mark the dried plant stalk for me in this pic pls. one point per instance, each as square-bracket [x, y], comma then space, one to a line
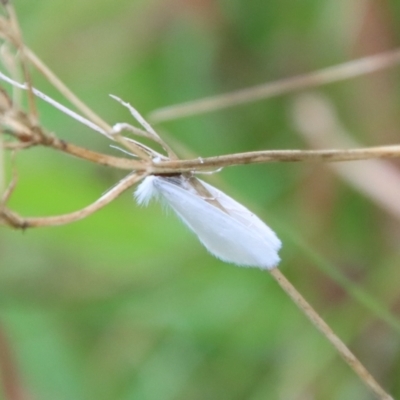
[266, 156]
[324, 328]
[16, 221]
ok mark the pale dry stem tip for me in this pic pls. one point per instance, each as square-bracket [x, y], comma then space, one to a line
[151, 133]
[135, 113]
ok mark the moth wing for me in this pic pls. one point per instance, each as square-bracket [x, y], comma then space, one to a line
[146, 191]
[244, 215]
[222, 234]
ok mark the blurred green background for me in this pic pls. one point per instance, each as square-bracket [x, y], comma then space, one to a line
[127, 304]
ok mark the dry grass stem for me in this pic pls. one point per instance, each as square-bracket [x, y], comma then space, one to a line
[267, 156]
[325, 76]
[323, 327]
[95, 157]
[148, 132]
[8, 217]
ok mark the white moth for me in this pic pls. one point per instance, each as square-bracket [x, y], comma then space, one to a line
[234, 235]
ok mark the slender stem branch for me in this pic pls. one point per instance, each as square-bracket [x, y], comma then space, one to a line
[201, 164]
[323, 327]
[258, 157]
[336, 73]
[93, 156]
[10, 218]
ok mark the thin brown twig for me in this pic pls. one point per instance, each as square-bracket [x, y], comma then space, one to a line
[11, 218]
[344, 71]
[324, 328]
[266, 156]
[229, 160]
[95, 157]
